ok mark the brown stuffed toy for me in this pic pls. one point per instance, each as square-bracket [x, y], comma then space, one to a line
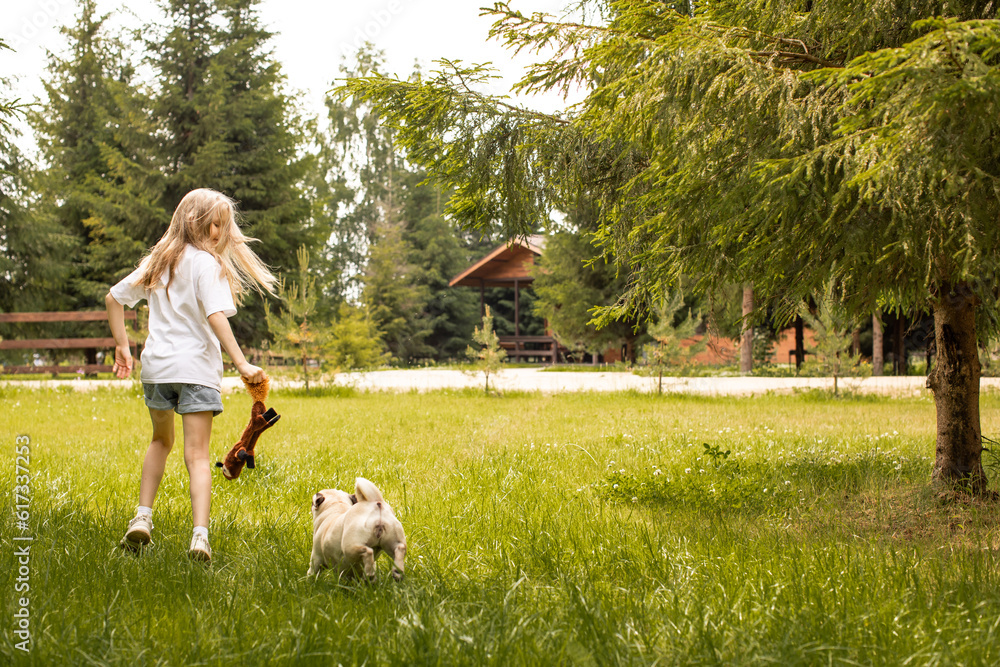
[261, 419]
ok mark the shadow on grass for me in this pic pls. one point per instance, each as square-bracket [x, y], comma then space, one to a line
[758, 487]
[844, 395]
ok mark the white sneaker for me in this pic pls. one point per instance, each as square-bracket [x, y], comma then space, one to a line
[200, 550]
[138, 533]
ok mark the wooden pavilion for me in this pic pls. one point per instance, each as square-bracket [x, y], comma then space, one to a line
[509, 265]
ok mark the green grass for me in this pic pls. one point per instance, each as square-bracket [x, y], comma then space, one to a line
[35, 377]
[521, 548]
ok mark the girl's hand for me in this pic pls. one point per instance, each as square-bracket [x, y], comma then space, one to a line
[252, 374]
[123, 362]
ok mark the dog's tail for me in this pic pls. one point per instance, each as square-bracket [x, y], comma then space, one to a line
[366, 491]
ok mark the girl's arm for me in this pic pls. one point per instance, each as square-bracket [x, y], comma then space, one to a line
[220, 325]
[123, 353]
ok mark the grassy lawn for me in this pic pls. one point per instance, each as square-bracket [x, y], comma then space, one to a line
[581, 529]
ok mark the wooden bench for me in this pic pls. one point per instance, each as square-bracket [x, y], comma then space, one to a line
[60, 343]
[547, 348]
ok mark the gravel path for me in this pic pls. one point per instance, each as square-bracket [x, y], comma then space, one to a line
[535, 379]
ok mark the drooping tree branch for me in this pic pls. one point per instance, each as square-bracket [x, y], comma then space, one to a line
[540, 30]
[791, 58]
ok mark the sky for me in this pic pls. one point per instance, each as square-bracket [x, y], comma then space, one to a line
[312, 37]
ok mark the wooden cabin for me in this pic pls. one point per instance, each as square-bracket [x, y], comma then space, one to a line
[509, 265]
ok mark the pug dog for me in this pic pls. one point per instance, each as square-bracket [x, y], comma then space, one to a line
[350, 531]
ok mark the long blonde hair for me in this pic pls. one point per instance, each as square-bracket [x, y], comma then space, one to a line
[192, 224]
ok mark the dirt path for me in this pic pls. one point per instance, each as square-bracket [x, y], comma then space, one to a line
[535, 379]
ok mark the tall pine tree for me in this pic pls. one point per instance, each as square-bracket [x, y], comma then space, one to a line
[450, 313]
[31, 278]
[773, 144]
[228, 124]
[394, 298]
[390, 241]
[99, 184]
[570, 287]
[357, 149]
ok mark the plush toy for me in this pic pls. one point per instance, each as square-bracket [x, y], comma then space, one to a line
[261, 419]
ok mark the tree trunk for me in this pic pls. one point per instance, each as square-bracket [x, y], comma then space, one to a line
[90, 357]
[955, 383]
[800, 342]
[856, 342]
[746, 343]
[878, 358]
[930, 351]
[899, 347]
[517, 308]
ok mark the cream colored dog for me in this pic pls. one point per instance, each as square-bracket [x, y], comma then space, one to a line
[349, 532]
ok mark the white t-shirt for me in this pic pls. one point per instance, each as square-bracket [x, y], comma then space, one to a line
[181, 346]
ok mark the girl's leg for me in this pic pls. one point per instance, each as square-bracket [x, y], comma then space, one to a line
[197, 434]
[156, 456]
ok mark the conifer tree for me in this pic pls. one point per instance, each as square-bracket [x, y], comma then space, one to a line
[570, 288]
[229, 125]
[326, 182]
[100, 184]
[390, 243]
[297, 334]
[668, 351]
[356, 145]
[832, 333]
[775, 144]
[355, 341]
[31, 273]
[449, 314]
[488, 359]
[393, 298]
[370, 242]
[10, 107]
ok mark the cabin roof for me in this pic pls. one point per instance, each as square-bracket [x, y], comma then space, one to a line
[504, 265]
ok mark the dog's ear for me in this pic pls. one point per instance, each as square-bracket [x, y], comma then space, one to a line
[318, 500]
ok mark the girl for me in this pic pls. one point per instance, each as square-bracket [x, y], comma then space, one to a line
[192, 279]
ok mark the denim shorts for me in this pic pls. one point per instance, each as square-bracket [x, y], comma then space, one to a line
[182, 397]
